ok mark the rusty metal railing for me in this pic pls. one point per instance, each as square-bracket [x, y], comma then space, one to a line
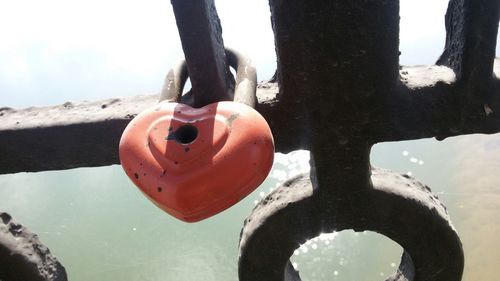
[341, 81]
[341, 90]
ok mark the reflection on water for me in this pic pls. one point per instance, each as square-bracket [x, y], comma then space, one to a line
[102, 228]
[464, 173]
[347, 255]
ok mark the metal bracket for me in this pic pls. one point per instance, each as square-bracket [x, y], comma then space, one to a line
[396, 206]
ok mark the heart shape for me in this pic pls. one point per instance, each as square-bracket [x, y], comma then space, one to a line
[196, 162]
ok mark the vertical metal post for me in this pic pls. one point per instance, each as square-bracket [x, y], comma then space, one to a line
[201, 36]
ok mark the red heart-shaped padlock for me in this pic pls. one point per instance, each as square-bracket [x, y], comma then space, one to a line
[196, 162]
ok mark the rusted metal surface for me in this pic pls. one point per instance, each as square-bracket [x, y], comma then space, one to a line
[396, 206]
[65, 136]
[23, 257]
[201, 36]
[471, 35]
[339, 75]
[86, 134]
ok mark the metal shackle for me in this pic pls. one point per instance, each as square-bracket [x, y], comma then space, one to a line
[245, 86]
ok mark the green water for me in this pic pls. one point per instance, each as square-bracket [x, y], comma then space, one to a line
[102, 228]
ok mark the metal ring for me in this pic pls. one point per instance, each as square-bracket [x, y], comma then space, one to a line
[246, 80]
[396, 206]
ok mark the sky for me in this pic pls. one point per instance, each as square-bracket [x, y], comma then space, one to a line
[55, 51]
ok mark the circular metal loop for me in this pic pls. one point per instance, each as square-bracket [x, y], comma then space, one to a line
[397, 207]
[246, 80]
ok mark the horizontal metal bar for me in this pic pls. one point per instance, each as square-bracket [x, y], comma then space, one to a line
[65, 136]
[432, 102]
[87, 134]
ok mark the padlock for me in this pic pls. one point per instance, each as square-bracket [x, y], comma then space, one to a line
[196, 162]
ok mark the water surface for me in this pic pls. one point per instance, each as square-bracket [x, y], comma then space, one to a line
[102, 228]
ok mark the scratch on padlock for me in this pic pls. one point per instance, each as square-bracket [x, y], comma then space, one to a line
[229, 121]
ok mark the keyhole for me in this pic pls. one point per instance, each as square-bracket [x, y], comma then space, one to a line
[186, 134]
